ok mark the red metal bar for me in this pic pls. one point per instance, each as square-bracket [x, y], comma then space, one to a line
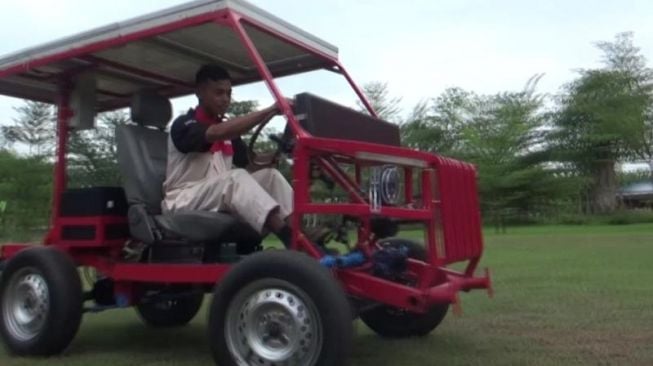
[358, 91]
[377, 289]
[341, 178]
[429, 230]
[408, 185]
[305, 245]
[362, 210]
[262, 27]
[99, 223]
[349, 147]
[471, 266]
[429, 202]
[301, 180]
[159, 273]
[459, 210]
[64, 113]
[11, 249]
[476, 212]
[470, 179]
[357, 174]
[391, 293]
[91, 220]
[265, 72]
[467, 283]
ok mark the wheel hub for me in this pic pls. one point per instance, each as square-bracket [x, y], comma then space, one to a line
[274, 327]
[26, 304]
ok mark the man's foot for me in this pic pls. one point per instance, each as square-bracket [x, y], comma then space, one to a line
[133, 251]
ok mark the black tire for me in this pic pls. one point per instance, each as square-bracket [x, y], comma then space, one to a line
[297, 289]
[45, 277]
[170, 313]
[391, 322]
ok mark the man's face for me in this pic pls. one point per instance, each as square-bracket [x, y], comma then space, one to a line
[215, 96]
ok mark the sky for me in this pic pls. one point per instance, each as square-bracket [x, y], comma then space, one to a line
[419, 47]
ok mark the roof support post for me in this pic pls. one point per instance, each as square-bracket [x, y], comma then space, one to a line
[64, 113]
[237, 26]
[358, 91]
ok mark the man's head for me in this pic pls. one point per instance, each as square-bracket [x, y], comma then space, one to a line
[213, 89]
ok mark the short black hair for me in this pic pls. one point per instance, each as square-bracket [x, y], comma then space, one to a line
[211, 72]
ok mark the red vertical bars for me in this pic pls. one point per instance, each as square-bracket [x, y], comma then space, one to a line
[408, 185]
[64, 113]
[460, 211]
[427, 196]
[301, 181]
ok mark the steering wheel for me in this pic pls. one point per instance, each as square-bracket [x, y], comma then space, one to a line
[284, 145]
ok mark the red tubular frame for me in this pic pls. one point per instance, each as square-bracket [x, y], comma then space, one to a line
[449, 209]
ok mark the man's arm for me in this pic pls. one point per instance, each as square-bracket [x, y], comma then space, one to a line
[237, 126]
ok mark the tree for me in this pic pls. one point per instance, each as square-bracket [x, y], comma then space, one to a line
[241, 108]
[603, 119]
[385, 106]
[623, 55]
[505, 136]
[3, 141]
[644, 148]
[92, 154]
[436, 125]
[35, 127]
[26, 194]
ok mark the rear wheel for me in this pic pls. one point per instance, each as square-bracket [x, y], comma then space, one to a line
[172, 312]
[41, 302]
[280, 308]
[392, 322]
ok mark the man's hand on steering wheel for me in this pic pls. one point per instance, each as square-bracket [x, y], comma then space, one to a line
[291, 103]
[265, 160]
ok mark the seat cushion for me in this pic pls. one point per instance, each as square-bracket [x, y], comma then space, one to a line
[207, 227]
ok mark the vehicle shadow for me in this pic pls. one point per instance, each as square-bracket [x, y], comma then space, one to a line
[131, 342]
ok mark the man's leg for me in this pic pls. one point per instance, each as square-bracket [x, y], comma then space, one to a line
[276, 224]
[236, 191]
[244, 196]
[276, 185]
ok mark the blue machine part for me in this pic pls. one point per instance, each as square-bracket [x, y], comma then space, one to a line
[122, 300]
[353, 259]
[390, 261]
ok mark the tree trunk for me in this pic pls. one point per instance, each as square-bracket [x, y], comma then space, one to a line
[650, 167]
[604, 190]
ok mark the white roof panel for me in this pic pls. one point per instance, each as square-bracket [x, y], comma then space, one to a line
[162, 50]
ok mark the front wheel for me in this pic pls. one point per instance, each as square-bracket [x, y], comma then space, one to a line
[391, 322]
[280, 308]
[40, 302]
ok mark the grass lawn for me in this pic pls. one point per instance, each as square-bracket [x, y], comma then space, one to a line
[565, 295]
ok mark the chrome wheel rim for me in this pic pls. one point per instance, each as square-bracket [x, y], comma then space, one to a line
[272, 322]
[26, 304]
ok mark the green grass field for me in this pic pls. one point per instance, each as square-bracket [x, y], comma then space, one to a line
[565, 295]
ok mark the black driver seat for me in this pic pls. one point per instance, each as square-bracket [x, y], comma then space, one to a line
[142, 157]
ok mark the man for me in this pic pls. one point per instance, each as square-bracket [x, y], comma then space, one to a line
[203, 149]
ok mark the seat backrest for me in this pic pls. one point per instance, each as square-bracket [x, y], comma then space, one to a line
[142, 151]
